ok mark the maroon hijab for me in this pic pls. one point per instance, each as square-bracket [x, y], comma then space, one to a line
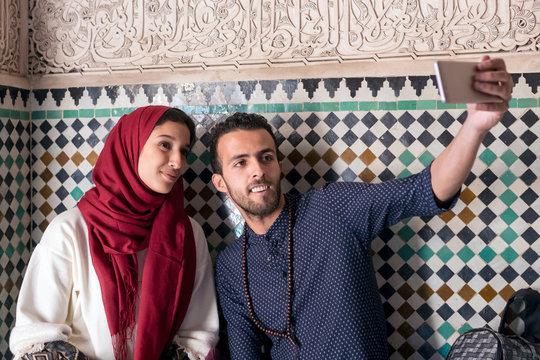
[124, 216]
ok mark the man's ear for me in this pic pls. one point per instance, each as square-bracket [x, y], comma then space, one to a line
[219, 183]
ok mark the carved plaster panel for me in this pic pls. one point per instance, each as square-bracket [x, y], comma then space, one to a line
[91, 35]
[10, 26]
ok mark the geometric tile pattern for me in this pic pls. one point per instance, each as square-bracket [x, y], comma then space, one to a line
[438, 276]
[14, 214]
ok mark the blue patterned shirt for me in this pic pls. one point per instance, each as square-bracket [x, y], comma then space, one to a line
[336, 311]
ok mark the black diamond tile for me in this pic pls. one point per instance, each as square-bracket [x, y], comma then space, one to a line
[445, 273]
[445, 138]
[388, 120]
[348, 175]
[312, 177]
[487, 196]
[350, 120]
[386, 234]
[488, 177]
[330, 137]
[426, 138]
[424, 272]
[206, 176]
[445, 311]
[426, 233]
[62, 193]
[530, 235]
[387, 291]
[530, 256]
[528, 137]
[331, 120]
[487, 235]
[189, 175]
[529, 216]
[509, 274]
[529, 118]
[312, 138]
[295, 139]
[446, 234]
[425, 311]
[386, 175]
[508, 119]
[295, 121]
[312, 120]
[508, 137]
[446, 119]
[223, 230]
[386, 157]
[466, 311]
[488, 139]
[487, 273]
[466, 274]
[386, 253]
[487, 216]
[368, 138]
[487, 313]
[78, 176]
[530, 276]
[406, 119]
[426, 119]
[330, 176]
[528, 157]
[60, 208]
[293, 176]
[349, 138]
[528, 177]
[369, 120]
[386, 271]
[77, 140]
[92, 140]
[387, 139]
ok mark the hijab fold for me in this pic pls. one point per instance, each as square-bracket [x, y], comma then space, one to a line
[124, 217]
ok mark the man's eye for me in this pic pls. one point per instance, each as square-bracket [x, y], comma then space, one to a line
[239, 163]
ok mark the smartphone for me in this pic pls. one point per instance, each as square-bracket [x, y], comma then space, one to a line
[455, 82]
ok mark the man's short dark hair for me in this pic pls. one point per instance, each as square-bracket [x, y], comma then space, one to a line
[237, 121]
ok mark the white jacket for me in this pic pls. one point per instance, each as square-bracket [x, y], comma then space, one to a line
[60, 297]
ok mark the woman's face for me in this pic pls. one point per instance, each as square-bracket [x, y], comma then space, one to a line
[163, 157]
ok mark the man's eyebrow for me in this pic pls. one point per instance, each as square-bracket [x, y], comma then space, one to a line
[259, 153]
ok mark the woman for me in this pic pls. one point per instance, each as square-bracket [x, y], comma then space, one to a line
[126, 274]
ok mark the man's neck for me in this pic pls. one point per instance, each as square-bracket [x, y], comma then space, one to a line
[261, 224]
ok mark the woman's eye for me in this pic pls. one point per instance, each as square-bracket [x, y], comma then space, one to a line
[165, 145]
[184, 153]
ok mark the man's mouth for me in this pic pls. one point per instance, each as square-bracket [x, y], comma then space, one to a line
[260, 188]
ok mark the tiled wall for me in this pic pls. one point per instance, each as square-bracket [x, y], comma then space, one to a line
[438, 276]
[15, 197]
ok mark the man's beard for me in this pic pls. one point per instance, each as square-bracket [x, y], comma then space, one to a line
[255, 209]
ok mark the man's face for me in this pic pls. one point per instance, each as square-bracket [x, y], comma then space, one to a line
[250, 171]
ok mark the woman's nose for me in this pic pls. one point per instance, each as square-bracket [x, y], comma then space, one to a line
[176, 160]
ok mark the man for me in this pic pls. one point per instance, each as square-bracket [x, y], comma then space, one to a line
[301, 276]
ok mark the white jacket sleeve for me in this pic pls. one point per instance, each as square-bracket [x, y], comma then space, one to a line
[199, 330]
[43, 306]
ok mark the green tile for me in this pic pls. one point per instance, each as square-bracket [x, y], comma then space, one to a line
[404, 174]
[513, 103]
[426, 158]
[188, 109]
[238, 108]
[488, 157]
[465, 254]
[191, 158]
[426, 104]
[406, 157]
[117, 112]
[425, 253]
[509, 255]
[508, 197]
[19, 178]
[15, 114]
[509, 157]
[131, 109]
[444, 350]
[205, 157]
[407, 105]
[387, 105]
[219, 109]
[405, 252]
[466, 327]
[10, 250]
[330, 106]
[406, 233]
[71, 114]
[509, 216]
[20, 212]
[19, 161]
[294, 107]
[77, 193]
[103, 112]
[38, 115]
[348, 105]
[487, 254]
[86, 113]
[5, 113]
[508, 178]
[509, 235]
[8, 161]
[256, 108]
[445, 254]
[25, 115]
[19, 196]
[312, 106]
[461, 106]
[54, 114]
[20, 231]
[20, 247]
[367, 105]
[275, 108]
[527, 103]
[202, 109]
[443, 105]
[446, 330]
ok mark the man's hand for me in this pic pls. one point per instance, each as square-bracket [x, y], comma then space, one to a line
[493, 79]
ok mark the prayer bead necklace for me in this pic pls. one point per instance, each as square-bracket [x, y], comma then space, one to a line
[287, 334]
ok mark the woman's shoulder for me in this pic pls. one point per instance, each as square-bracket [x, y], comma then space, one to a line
[66, 232]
